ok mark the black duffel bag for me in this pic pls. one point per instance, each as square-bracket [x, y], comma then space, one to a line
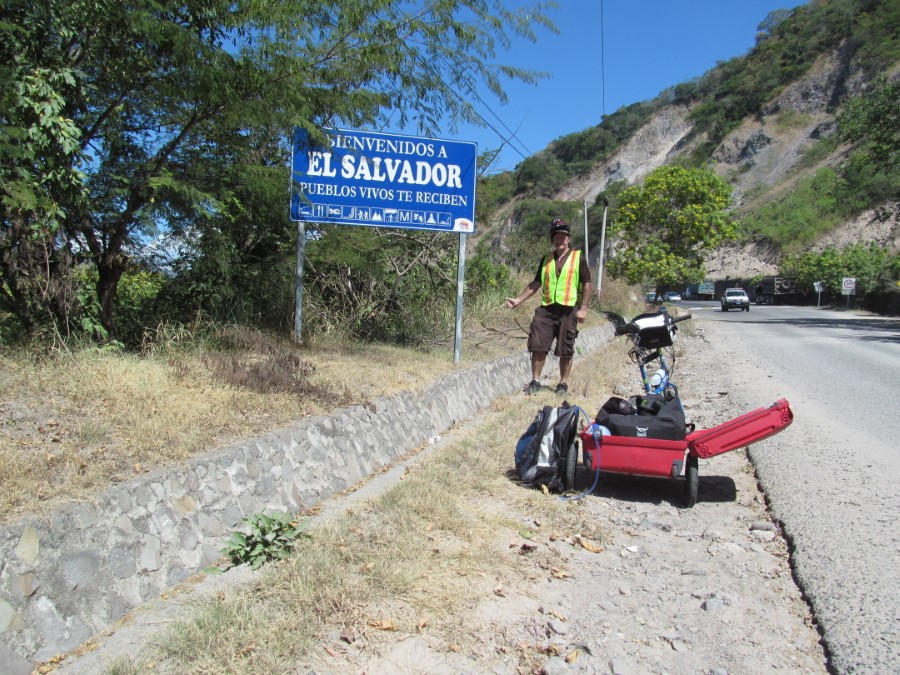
[645, 416]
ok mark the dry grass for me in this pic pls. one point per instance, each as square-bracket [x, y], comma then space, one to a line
[418, 558]
[74, 424]
[73, 428]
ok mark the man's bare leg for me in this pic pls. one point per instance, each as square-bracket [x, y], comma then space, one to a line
[537, 364]
[565, 367]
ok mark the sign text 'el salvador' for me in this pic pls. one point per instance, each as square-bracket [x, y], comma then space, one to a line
[383, 180]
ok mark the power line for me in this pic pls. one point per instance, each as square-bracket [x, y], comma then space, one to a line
[507, 140]
[602, 65]
[512, 134]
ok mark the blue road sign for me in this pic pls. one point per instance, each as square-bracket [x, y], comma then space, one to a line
[383, 180]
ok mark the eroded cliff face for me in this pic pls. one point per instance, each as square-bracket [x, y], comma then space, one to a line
[763, 158]
[650, 147]
[766, 153]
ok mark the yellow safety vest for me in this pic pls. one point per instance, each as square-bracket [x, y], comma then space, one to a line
[561, 288]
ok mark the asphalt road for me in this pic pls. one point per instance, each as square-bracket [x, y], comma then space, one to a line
[833, 477]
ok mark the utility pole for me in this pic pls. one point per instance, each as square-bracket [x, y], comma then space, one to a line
[586, 247]
[602, 248]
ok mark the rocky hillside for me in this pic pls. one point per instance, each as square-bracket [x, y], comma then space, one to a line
[763, 158]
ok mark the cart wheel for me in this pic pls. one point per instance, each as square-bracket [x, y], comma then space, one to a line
[691, 480]
[571, 461]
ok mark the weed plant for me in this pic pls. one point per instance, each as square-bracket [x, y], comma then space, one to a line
[268, 538]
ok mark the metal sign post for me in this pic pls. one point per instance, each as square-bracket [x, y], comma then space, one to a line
[298, 281]
[460, 275]
[848, 288]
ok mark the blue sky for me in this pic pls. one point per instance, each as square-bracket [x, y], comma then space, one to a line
[647, 46]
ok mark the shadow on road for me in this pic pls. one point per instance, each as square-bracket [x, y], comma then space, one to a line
[867, 329]
[655, 490]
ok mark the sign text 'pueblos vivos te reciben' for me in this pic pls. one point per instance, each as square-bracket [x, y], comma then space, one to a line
[384, 180]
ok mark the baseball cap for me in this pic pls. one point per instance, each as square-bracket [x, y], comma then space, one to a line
[559, 225]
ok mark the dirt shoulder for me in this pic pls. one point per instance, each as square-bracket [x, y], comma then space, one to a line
[623, 580]
[701, 590]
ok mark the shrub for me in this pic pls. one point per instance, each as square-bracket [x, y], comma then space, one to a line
[136, 295]
[486, 274]
[270, 538]
[249, 359]
[874, 268]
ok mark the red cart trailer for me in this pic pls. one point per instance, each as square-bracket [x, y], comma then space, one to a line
[672, 459]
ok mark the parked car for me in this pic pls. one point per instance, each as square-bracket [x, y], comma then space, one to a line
[672, 296]
[735, 298]
[650, 297]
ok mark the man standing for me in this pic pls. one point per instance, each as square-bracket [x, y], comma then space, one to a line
[562, 307]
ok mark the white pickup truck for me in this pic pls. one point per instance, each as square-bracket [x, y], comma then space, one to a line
[735, 298]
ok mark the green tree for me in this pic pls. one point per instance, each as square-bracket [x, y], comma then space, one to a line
[541, 175]
[866, 264]
[664, 228]
[874, 119]
[773, 19]
[492, 192]
[147, 114]
[873, 267]
[39, 149]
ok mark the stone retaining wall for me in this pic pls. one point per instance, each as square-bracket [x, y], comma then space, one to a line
[66, 576]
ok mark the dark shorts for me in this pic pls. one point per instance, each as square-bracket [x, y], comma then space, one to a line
[553, 321]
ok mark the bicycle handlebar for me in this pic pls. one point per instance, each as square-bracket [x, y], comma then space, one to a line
[627, 329]
[630, 328]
